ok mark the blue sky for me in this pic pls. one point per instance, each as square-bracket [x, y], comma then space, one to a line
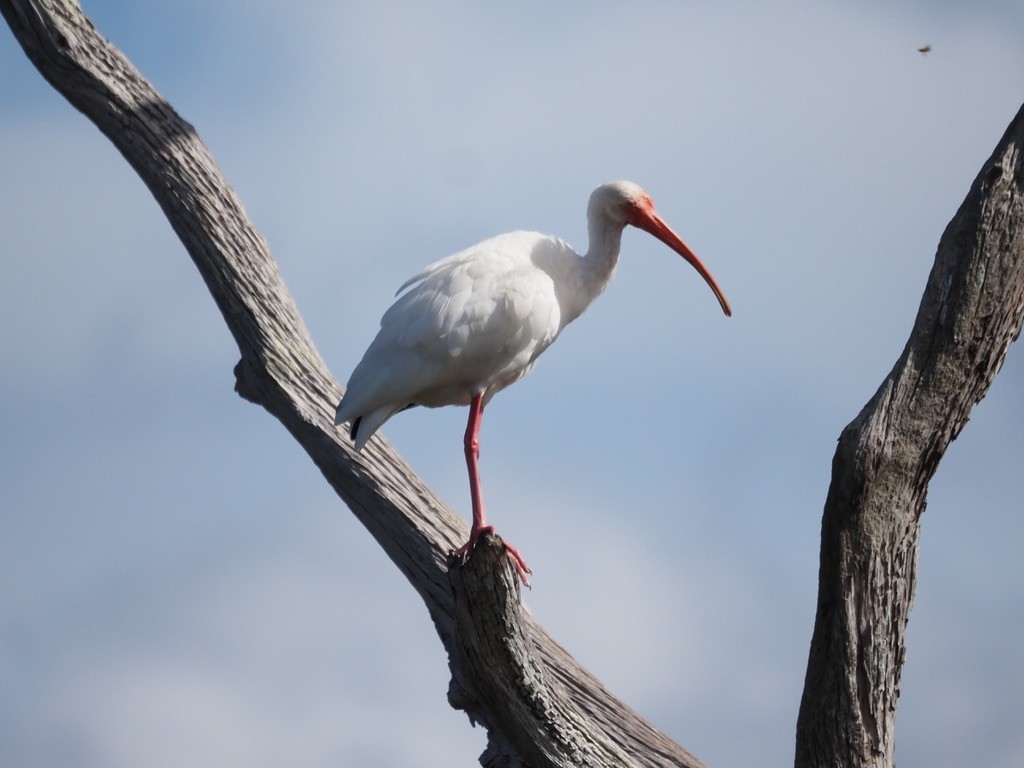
[178, 586]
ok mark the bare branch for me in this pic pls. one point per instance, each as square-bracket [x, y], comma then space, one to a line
[497, 678]
[561, 715]
[539, 706]
[972, 310]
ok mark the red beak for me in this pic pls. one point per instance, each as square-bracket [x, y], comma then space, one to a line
[646, 219]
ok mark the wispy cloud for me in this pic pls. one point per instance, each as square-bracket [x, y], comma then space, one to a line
[177, 585]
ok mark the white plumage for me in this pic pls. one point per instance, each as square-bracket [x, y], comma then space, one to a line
[475, 322]
[472, 322]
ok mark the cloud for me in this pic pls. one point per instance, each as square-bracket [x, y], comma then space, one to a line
[178, 585]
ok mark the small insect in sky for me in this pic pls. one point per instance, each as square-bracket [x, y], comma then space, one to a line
[924, 49]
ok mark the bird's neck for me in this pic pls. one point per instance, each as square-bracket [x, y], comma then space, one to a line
[597, 267]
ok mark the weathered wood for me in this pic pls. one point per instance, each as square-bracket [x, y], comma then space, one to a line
[539, 705]
[972, 310]
[281, 370]
[498, 678]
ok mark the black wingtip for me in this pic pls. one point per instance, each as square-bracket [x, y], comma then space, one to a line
[354, 429]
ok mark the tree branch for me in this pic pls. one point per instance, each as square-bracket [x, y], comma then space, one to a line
[540, 707]
[971, 311]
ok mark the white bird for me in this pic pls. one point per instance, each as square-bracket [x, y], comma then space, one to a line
[475, 322]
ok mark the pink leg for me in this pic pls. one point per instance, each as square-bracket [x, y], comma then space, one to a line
[480, 526]
[472, 446]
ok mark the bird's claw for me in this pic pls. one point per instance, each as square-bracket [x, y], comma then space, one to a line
[518, 563]
[522, 569]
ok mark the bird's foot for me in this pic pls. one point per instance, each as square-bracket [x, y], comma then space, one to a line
[521, 568]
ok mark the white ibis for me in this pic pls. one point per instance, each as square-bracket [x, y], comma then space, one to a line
[475, 322]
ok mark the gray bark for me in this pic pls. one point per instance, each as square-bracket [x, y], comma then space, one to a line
[539, 706]
[556, 715]
[971, 311]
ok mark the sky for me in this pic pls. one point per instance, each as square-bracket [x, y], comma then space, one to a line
[179, 586]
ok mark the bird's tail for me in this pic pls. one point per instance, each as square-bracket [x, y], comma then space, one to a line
[364, 425]
[340, 417]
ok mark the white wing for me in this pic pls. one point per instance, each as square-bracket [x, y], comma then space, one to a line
[470, 323]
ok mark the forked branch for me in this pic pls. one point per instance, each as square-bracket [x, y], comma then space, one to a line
[540, 707]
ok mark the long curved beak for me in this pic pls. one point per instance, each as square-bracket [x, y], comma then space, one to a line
[651, 222]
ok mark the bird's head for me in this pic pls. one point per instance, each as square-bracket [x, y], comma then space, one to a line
[618, 201]
[626, 203]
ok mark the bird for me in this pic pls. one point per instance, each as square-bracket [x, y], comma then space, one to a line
[474, 323]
